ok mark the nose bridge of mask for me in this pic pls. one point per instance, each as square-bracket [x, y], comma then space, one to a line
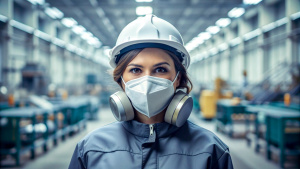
[151, 78]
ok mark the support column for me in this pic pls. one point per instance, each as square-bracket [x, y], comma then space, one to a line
[265, 17]
[52, 55]
[243, 27]
[291, 43]
[6, 8]
[31, 19]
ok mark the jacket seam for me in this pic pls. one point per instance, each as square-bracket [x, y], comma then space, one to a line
[110, 151]
[185, 154]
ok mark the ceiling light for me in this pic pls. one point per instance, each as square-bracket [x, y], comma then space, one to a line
[251, 2]
[213, 29]
[86, 35]
[197, 40]
[143, 0]
[34, 2]
[95, 42]
[204, 35]
[223, 22]
[21, 26]
[68, 22]
[236, 12]
[143, 10]
[54, 13]
[42, 35]
[235, 41]
[3, 18]
[78, 29]
[190, 46]
[295, 16]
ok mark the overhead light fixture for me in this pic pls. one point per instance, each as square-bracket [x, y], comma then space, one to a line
[42, 35]
[54, 13]
[295, 16]
[213, 29]
[143, 10]
[95, 42]
[68, 22]
[78, 29]
[236, 12]
[58, 42]
[195, 42]
[143, 0]
[86, 35]
[191, 46]
[235, 41]
[198, 40]
[223, 46]
[252, 34]
[21, 26]
[3, 18]
[34, 2]
[204, 35]
[223, 22]
[251, 2]
[71, 47]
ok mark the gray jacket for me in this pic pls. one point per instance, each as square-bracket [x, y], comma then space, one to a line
[134, 145]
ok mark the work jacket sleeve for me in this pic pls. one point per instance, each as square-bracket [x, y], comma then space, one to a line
[76, 161]
[224, 161]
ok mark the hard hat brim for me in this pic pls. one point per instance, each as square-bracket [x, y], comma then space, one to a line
[180, 48]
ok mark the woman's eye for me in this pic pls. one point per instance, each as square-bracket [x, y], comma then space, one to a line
[135, 70]
[161, 70]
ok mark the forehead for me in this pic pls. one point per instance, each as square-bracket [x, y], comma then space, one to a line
[152, 56]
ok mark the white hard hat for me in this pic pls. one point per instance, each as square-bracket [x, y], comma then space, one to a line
[149, 31]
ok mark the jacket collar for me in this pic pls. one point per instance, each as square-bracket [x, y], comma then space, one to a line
[143, 130]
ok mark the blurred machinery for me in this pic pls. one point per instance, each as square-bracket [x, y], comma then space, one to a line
[280, 84]
[209, 98]
[35, 78]
[283, 81]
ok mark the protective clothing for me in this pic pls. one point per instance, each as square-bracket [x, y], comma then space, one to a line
[149, 32]
[146, 94]
[134, 145]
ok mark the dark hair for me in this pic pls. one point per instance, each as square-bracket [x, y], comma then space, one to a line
[185, 82]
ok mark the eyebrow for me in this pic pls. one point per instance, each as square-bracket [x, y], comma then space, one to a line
[162, 63]
[156, 65]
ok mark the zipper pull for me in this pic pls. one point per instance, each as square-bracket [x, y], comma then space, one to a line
[152, 133]
[151, 129]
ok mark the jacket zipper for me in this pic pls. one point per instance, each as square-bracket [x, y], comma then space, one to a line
[151, 129]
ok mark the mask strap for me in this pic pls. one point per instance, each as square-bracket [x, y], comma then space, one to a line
[175, 77]
[123, 80]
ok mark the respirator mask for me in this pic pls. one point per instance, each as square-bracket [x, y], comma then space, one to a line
[150, 95]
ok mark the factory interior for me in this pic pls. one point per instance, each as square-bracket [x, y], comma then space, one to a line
[56, 80]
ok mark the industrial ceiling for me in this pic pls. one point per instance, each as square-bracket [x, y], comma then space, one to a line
[106, 18]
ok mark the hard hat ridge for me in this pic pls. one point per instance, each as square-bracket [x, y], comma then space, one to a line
[148, 29]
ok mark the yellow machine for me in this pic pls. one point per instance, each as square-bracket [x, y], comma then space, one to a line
[208, 104]
[208, 99]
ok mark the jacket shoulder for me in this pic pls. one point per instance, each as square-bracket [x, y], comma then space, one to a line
[208, 136]
[107, 138]
[194, 140]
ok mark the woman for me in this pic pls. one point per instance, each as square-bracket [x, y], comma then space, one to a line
[150, 64]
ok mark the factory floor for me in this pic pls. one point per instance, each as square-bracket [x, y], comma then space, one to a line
[58, 157]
